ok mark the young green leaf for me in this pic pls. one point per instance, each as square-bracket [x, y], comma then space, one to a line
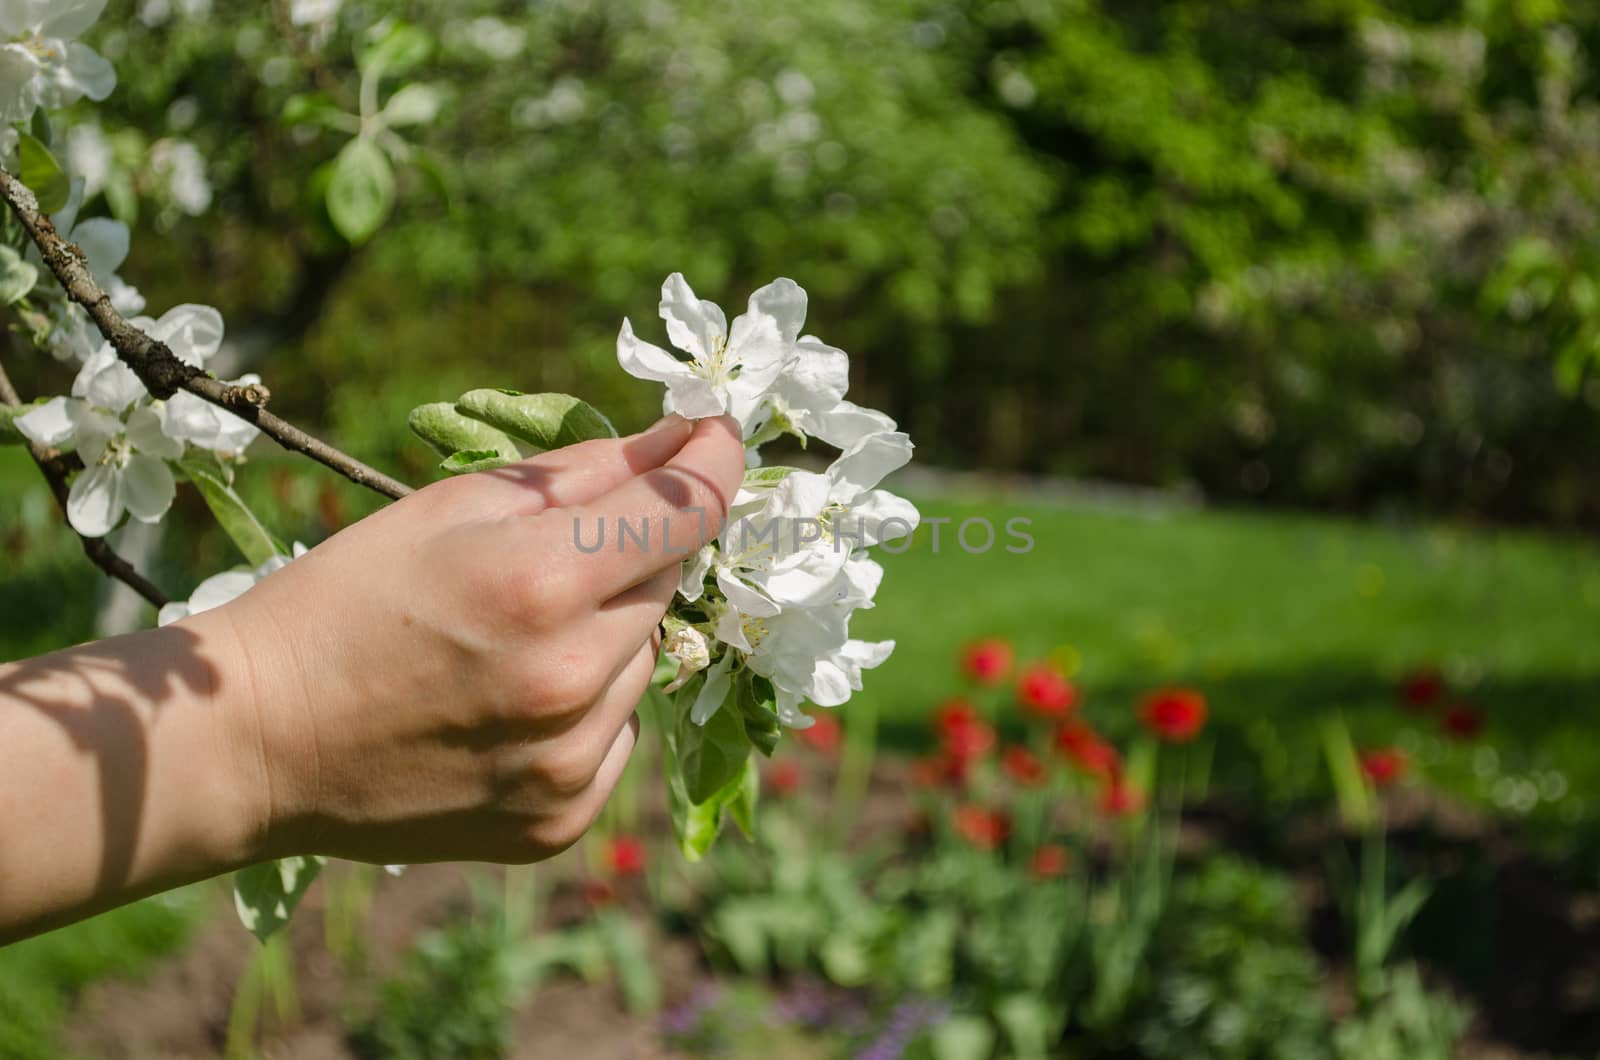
[710, 756]
[767, 476]
[404, 48]
[254, 540]
[17, 277]
[448, 432]
[414, 104]
[469, 460]
[265, 895]
[44, 176]
[361, 191]
[544, 421]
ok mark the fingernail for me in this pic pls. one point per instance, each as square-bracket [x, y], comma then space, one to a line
[672, 421]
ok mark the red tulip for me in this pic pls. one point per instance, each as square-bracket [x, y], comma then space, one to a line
[1420, 689]
[987, 661]
[1174, 715]
[598, 892]
[1463, 721]
[784, 777]
[823, 735]
[1118, 798]
[984, 829]
[1045, 691]
[1049, 861]
[962, 730]
[1022, 766]
[1083, 747]
[938, 771]
[1383, 766]
[625, 855]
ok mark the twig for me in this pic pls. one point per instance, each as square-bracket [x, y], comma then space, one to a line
[157, 367]
[56, 466]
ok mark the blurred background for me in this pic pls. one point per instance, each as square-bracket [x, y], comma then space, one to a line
[1280, 322]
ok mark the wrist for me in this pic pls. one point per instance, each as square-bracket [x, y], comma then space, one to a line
[253, 806]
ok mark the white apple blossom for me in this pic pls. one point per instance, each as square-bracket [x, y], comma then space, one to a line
[180, 165]
[224, 588]
[42, 64]
[120, 439]
[104, 243]
[773, 595]
[727, 365]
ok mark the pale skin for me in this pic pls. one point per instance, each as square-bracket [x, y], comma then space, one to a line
[449, 679]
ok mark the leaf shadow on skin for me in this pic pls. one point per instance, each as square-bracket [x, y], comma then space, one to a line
[111, 728]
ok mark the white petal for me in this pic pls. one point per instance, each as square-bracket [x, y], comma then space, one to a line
[147, 487]
[171, 613]
[694, 326]
[691, 584]
[694, 398]
[714, 691]
[106, 382]
[54, 423]
[868, 654]
[645, 360]
[70, 18]
[104, 243]
[88, 73]
[847, 423]
[147, 434]
[96, 429]
[19, 94]
[864, 465]
[784, 303]
[193, 331]
[878, 516]
[801, 495]
[743, 597]
[94, 504]
[220, 589]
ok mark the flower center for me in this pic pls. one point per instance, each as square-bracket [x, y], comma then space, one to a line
[42, 49]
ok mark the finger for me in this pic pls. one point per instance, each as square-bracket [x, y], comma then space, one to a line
[611, 769]
[576, 474]
[635, 614]
[656, 519]
[599, 727]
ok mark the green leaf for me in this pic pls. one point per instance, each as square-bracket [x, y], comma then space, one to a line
[712, 755]
[545, 421]
[695, 824]
[40, 127]
[361, 191]
[17, 277]
[742, 806]
[255, 541]
[315, 108]
[963, 1038]
[402, 49]
[44, 176]
[121, 197]
[469, 460]
[414, 104]
[9, 435]
[630, 959]
[767, 476]
[448, 432]
[265, 895]
[757, 703]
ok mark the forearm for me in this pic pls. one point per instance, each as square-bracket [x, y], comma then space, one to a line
[123, 771]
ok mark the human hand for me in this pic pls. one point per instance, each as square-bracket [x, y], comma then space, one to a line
[453, 678]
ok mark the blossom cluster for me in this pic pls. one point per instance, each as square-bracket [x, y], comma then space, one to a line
[127, 440]
[773, 595]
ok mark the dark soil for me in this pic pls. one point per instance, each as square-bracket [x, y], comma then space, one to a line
[1502, 930]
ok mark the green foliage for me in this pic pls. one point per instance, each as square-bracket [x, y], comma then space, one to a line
[454, 998]
[361, 190]
[266, 895]
[1232, 974]
[39, 977]
[543, 421]
[39, 169]
[214, 481]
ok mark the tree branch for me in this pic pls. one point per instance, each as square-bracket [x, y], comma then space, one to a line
[56, 466]
[162, 373]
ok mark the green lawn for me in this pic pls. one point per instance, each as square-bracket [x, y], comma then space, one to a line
[1279, 618]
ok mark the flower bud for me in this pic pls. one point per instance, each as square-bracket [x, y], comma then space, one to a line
[689, 648]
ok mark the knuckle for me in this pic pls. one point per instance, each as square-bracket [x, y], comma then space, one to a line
[558, 832]
[569, 771]
[539, 592]
[569, 686]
